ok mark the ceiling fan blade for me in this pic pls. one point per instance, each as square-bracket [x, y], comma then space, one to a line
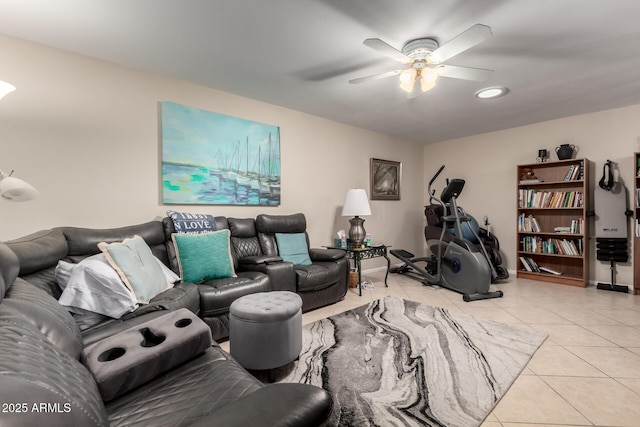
[375, 77]
[382, 47]
[463, 41]
[464, 73]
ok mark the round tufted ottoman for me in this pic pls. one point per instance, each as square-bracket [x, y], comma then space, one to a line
[265, 329]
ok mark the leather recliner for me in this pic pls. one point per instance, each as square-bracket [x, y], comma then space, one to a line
[249, 255]
[323, 282]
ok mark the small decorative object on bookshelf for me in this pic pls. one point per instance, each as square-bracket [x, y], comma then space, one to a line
[528, 177]
[552, 210]
[543, 155]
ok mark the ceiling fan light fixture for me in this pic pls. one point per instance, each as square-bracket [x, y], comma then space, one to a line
[429, 75]
[407, 87]
[408, 76]
[408, 79]
[426, 85]
[492, 92]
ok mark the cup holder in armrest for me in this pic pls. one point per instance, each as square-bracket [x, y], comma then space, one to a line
[124, 361]
[151, 339]
[111, 354]
[183, 323]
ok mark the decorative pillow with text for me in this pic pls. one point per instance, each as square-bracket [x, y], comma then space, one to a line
[192, 223]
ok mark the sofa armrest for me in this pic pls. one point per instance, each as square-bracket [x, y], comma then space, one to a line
[276, 405]
[133, 357]
[318, 254]
[259, 260]
[282, 275]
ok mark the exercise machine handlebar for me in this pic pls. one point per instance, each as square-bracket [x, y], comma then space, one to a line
[431, 192]
[436, 175]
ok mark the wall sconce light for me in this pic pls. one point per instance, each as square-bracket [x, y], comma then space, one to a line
[15, 189]
[356, 203]
[6, 88]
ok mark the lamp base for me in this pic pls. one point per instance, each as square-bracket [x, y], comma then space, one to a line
[357, 233]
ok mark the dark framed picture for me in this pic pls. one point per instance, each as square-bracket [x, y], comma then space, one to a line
[385, 176]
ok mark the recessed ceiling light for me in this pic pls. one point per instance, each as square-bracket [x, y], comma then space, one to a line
[492, 92]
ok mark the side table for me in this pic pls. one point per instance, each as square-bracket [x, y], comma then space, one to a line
[358, 254]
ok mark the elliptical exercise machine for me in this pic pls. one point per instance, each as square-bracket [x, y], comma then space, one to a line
[456, 264]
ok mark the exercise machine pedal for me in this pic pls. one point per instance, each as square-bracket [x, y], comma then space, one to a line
[478, 296]
[401, 253]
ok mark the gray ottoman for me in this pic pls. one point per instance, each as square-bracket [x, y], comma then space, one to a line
[265, 329]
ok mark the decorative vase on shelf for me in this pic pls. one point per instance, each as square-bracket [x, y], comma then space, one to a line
[565, 151]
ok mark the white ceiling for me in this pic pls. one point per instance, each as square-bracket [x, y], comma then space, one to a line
[558, 57]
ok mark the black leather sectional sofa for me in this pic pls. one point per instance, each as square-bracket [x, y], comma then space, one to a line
[42, 348]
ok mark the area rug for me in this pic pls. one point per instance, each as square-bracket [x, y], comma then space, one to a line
[395, 362]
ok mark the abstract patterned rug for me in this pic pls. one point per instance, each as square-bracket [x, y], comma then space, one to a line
[395, 362]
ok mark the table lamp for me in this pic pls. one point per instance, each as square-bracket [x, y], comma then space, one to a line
[356, 203]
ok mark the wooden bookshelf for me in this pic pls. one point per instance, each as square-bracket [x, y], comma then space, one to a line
[636, 228]
[552, 231]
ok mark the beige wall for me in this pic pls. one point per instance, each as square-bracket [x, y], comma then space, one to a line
[488, 163]
[86, 134]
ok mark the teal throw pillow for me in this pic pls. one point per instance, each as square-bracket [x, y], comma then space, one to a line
[292, 247]
[204, 256]
[137, 267]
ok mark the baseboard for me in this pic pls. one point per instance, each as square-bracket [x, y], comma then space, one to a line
[513, 273]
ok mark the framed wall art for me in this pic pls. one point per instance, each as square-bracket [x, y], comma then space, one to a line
[385, 176]
[214, 159]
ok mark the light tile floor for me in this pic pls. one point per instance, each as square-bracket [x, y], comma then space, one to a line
[586, 373]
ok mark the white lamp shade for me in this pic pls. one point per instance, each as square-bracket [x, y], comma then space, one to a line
[356, 203]
[6, 88]
[15, 189]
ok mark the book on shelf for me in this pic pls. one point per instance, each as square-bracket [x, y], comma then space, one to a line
[531, 265]
[529, 198]
[562, 229]
[530, 181]
[570, 173]
[574, 173]
[550, 271]
[528, 223]
[575, 227]
[537, 244]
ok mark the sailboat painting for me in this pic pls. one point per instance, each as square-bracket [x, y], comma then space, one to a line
[215, 159]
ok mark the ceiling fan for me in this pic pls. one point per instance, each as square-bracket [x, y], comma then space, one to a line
[424, 58]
